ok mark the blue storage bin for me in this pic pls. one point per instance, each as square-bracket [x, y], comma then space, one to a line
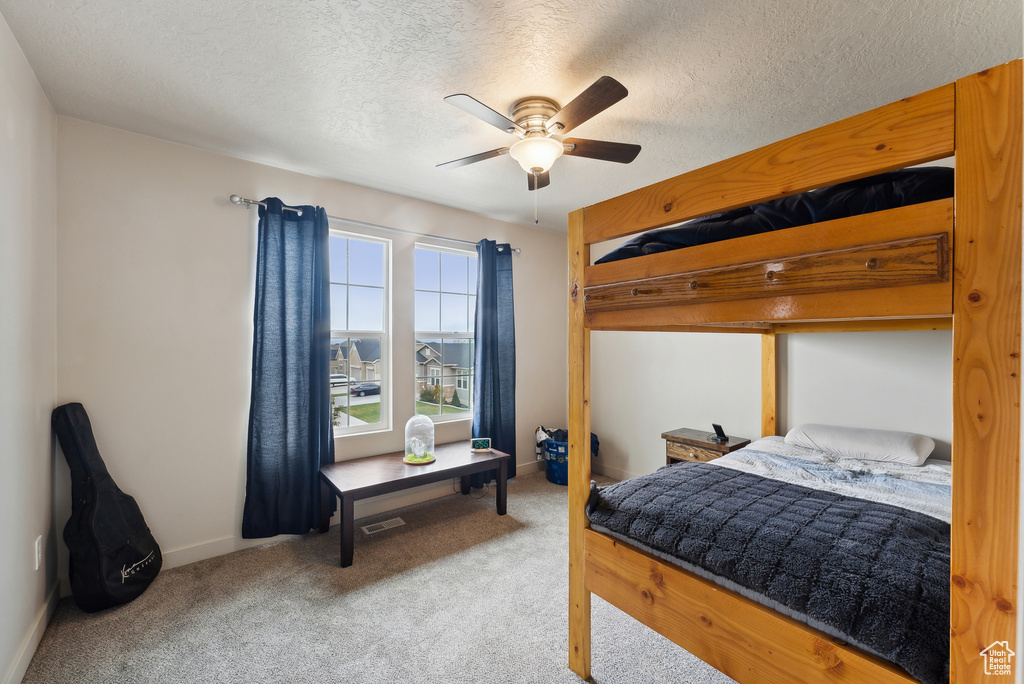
[557, 456]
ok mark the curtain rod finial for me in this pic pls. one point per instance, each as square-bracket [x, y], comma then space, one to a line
[235, 199]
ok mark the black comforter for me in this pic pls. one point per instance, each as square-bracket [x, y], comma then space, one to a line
[873, 574]
[875, 193]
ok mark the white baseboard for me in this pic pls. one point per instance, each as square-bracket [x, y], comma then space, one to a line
[34, 636]
[530, 467]
[610, 471]
[364, 508]
[216, 547]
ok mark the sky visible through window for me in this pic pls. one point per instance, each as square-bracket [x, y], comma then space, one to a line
[445, 291]
[357, 285]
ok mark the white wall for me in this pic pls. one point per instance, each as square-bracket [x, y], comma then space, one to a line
[155, 320]
[644, 384]
[27, 355]
[890, 381]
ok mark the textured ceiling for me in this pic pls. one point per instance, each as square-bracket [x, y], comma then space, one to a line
[353, 89]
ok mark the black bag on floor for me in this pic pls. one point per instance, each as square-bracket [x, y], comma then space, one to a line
[113, 555]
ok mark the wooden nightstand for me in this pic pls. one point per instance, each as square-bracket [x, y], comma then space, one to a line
[686, 444]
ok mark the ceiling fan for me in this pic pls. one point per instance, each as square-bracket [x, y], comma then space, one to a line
[535, 121]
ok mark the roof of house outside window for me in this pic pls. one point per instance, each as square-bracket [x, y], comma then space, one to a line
[457, 353]
[367, 347]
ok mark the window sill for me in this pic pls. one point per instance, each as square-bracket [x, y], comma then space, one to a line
[450, 418]
[361, 433]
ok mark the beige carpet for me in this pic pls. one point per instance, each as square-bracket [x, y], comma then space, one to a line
[458, 594]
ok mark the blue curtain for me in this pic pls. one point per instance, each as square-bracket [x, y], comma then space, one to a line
[290, 430]
[494, 382]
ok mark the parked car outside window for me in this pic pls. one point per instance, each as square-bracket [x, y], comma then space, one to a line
[364, 388]
[338, 379]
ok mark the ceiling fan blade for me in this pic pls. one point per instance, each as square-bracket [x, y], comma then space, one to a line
[483, 112]
[605, 92]
[474, 158]
[622, 153]
[542, 180]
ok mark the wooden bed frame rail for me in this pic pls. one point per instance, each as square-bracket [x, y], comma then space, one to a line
[961, 271]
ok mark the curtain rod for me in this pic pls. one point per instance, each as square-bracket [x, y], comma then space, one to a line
[236, 199]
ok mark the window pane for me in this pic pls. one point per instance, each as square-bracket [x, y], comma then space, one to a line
[366, 308]
[339, 307]
[453, 273]
[457, 356]
[427, 270]
[364, 397]
[445, 303]
[359, 283]
[456, 396]
[453, 313]
[339, 408]
[428, 377]
[428, 358]
[366, 263]
[428, 311]
[355, 381]
[364, 359]
[338, 247]
[339, 381]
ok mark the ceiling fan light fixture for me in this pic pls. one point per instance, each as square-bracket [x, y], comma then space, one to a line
[536, 153]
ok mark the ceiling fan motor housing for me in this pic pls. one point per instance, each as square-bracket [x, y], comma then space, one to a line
[531, 113]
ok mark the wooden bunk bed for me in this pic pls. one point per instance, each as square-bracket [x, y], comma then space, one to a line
[947, 264]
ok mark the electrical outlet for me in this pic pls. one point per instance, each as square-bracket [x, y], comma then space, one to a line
[39, 551]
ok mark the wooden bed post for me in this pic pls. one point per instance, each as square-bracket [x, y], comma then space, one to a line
[579, 449]
[986, 368]
[769, 384]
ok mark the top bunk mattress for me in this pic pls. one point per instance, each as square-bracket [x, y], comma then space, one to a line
[875, 193]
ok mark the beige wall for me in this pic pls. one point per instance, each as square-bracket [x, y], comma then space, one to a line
[644, 384]
[889, 381]
[155, 320]
[27, 354]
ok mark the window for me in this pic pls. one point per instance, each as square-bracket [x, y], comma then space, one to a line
[445, 300]
[359, 332]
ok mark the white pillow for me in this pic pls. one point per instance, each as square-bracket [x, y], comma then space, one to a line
[872, 445]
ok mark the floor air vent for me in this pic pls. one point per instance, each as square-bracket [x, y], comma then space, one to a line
[381, 526]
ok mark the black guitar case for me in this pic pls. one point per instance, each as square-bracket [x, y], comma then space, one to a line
[113, 555]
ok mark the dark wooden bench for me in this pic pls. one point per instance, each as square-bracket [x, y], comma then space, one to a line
[375, 475]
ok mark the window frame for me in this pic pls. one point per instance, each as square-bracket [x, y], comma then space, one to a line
[386, 418]
[442, 337]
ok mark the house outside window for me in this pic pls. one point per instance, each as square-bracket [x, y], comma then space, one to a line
[359, 358]
[445, 313]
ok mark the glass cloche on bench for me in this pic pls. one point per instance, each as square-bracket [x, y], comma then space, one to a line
[419, 440]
